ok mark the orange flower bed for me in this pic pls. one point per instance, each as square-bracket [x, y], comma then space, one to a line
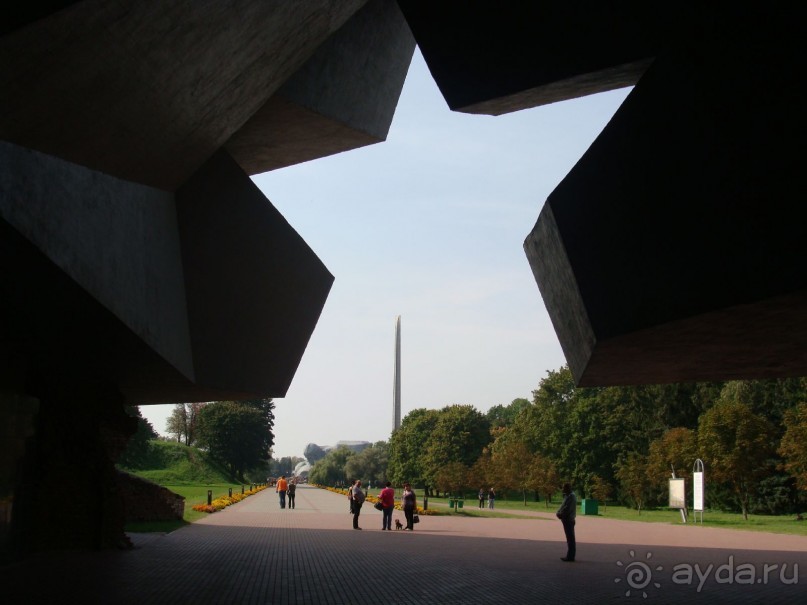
[222, 502]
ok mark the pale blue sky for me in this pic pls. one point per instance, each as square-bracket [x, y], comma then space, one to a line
[428, 225]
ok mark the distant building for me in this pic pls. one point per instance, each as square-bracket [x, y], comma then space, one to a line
[356, 446]
[314, 452]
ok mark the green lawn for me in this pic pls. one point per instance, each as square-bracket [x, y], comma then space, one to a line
[785, 524]
[185, 471]
[504, 508]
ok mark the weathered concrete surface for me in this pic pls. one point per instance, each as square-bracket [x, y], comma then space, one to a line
[315, 113]
[495, 58]
[255, 288]
[139, 262]
[117, 240]
[673, 250]
[148, 92]
[226, 311]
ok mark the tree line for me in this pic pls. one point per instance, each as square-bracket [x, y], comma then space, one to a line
[611, 443]
[237, 434]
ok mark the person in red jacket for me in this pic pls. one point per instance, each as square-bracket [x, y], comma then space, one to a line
[387, 498]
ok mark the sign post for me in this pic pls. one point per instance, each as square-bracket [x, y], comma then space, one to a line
[697, 489]
[678, 497]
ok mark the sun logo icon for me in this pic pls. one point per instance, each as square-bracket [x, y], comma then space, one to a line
[638, 574]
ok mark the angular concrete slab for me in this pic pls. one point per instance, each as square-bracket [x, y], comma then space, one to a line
[162, 297]
[494, 58]
[147, 93]
[255, 289]
[674, 250]
[343, 98]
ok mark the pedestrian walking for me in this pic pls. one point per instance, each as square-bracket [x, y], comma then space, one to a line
[280, 488]
[290, 492]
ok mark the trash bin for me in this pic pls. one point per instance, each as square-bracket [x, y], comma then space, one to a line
[460, 502]
[589, 506]
[451, 503]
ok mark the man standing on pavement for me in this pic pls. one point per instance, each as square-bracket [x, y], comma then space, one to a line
[567, 513]
[357, 499]
[282, 487]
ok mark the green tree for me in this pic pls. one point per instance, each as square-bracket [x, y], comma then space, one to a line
[769, 398]
[676, 449]
[452, 478]
[632, 476]
[544, 477]
[481, 473]
[590, 432]
[370, 465]
[235, 434]
[565, 424]
[407, 447]
[138, 449]
[512, 464]
[283, 466]
[459, 435]
[601, 490]
[504, 416]
[793, 446]
[736, 445]
[267, 409]
[183, 422]
[330, 470]
[177, 423]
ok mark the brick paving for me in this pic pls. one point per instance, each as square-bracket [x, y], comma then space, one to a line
[254, 552]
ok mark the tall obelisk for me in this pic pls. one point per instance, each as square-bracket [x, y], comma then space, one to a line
[396, 388]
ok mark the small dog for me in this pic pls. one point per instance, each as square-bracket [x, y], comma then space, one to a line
[398, 524]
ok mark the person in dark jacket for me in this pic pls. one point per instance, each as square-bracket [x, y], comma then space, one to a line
[290, 493]
[409, 502]
[357, 499]
[567, 513]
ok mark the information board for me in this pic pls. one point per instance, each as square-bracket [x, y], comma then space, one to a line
[677, 493]
[697, 491]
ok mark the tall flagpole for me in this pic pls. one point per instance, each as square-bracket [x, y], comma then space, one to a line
[396, 389]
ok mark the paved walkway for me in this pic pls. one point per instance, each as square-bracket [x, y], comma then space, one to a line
[253, 552]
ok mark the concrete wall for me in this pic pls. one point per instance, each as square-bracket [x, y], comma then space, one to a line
[254, 295]
[314, 114]
[116, 239]
[148, 92]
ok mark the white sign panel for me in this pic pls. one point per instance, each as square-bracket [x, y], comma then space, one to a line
[697, 491]
[677, 494]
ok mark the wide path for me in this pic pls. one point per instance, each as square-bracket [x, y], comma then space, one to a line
[254, 552]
